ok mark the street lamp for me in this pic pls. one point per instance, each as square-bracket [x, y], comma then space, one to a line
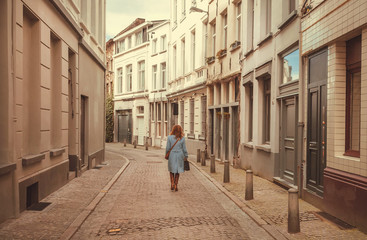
[195, 9]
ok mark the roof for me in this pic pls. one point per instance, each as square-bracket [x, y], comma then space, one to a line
[136, 23]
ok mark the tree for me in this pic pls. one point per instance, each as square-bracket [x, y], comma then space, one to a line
[109, 119]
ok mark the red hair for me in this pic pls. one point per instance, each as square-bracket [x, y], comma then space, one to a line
[177, 131]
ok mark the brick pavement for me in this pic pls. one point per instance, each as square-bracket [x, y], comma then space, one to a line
[140, 205]
[66, 205]
[270, 203]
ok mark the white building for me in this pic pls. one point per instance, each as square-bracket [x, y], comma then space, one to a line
[131, 92]
[157, 83]
[186, 91]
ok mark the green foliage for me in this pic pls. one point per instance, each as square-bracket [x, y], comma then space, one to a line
[109, 119]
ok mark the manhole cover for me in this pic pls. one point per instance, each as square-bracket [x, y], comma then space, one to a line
[39, 206]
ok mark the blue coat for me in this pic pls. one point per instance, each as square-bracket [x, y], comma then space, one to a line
[177, 154]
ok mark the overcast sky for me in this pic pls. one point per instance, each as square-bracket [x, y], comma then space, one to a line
[120, 13]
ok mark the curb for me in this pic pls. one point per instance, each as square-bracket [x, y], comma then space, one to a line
[251, 213]
[79, 220]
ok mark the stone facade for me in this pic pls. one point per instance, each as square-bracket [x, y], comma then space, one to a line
[51, 55]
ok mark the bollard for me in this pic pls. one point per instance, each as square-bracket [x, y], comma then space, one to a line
[146, 144]
[202, 154]
[212, 163]
[249, 194]
[198, 155]
[226, 172]
[125, 142]
[134, 143]
[293, 211]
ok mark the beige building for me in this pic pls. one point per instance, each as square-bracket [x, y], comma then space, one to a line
[334, 54]
[186, 91]
[110, 51]
[223, 54]
[52, 96]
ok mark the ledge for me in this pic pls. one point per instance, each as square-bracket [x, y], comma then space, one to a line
[190, 136]
[56, 152]
[31, 159]
[235, 48]
[248, 145]
[163, 51]
[248, 52]
[201, 137]
[154, 54]
[267, 37]
[289, 19]
[264, 147]
[6, 168]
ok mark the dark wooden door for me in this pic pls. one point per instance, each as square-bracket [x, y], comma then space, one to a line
[288, 164]
[317, 122]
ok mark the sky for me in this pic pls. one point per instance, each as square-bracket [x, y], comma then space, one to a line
[120, 13]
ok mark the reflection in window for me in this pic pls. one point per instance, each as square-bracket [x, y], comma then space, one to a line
[291, 67]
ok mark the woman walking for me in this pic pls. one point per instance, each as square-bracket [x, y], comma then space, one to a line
[178, 154]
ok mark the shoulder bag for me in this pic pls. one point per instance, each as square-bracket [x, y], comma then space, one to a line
[167, 154]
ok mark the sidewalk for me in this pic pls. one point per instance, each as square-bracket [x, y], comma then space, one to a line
[68, 204]
[270, 206]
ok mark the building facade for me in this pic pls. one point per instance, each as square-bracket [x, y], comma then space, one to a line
[131, 96]
[223, 56]
[52, 90]
[157, 84]
[334, 53]
[110, 51]
[186, 92]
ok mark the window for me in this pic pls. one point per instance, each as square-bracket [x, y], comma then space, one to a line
[163, 75]
[193, 50]
[163, 43]
[249, 91]
[84, 12]
[205, 41]
[250, 25]
[238, 21]
[267, 104]
[159, 119]
[139, 38]
[174, 61]
[213, 39]
[140, 109]
[225, 27]
[291, 66]
[175, 14]
[141, 75]
[154, 71]
[129, 42]
[203, 115]
[353, 98]
[183, 55]
[291, 6]
[165, 119]
[183, 9]
[192, 115]
[267, 17]
[129, 80]
[152, 111]
[182, 109]
[119, 80]
[154, 46]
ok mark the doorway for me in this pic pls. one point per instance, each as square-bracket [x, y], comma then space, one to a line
[124, 126]
[317, 122]
[218, 131]
[83, 128]
[226, 119]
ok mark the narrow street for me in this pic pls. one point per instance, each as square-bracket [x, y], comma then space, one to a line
[140, 205]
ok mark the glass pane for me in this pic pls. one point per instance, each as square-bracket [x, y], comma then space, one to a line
[355, 111]
[291, 67]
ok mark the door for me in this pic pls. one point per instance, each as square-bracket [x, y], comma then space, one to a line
[124, 127]
[218, 137]
[288, 162]
[211, 130]
[317, 122]
[141, 131]
[226, 119]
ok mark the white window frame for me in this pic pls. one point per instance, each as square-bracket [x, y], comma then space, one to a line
[141, 75]
[183, 43]
[163, 43]
[238, 21]
[129, 76]
[214, 36]
[193, 35]
[225, 30]
[119, 80]
[154, 77]
[163, 75]
[154, 46]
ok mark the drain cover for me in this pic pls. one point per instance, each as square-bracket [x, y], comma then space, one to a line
[339, 223]
[39, 206]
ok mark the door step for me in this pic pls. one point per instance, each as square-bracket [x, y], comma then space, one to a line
[71, 175]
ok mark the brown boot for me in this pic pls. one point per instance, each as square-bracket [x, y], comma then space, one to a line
[177, 176]
[171, 175]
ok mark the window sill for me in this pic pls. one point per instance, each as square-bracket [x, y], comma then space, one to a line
[288, 20]
[202, 137]
[266, 38]
[248, 53]
[264, 147]
[154, 54]
[56, 152]
[163, 51]
[31, 159]
[249, 145]
[191, 136]
[6, 168]
[235, 48]
[355, 156]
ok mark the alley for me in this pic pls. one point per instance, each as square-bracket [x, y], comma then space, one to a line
[140, 205]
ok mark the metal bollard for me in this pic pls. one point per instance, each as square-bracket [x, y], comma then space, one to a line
[226, 172]
[249, 193]
[125, 142]
[146, 144]
[198, 155]
[203, 162]
[293, 211]
[212, 163]
[134, 143]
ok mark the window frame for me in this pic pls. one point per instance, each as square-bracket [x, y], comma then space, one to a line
[154, 76]
[119, 80]
[193, 36]
[163, 75]
[163, 43]
[266, 110]
[192, 115]
[129, 76]
[238, 21]
[141, 75]
[225, 30]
